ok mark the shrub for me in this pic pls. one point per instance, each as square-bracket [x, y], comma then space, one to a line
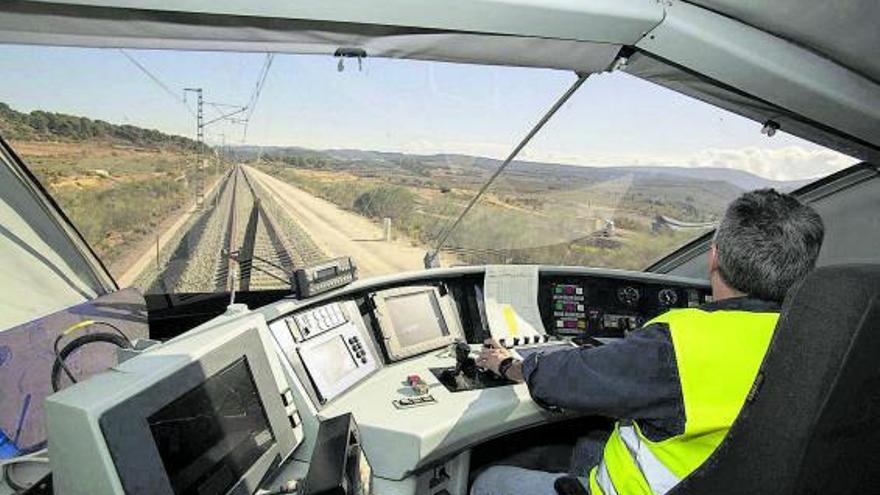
[385, 201]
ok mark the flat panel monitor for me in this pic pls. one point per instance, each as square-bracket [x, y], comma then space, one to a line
[414, 320]
[210, 436]
[198, 415]
[337, 359]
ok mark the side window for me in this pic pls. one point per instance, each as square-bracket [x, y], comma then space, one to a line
[43, 269]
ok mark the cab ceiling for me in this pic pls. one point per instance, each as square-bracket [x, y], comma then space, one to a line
[847, 31]
[810, 65]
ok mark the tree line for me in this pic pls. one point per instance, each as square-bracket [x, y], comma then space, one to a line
[41, 125]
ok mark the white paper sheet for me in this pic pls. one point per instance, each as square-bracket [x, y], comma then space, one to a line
[511, 303]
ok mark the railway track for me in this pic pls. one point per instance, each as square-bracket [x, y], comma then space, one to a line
[243, 239]
[262, 246]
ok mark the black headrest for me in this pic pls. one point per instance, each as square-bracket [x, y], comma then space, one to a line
[812, 422]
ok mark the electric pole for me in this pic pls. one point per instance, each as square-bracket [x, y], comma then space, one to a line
[201, 158]
[200, 138]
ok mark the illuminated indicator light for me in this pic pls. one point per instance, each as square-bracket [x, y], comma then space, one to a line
[579, 291]
[557, 289]
[569, 290]
[570, 323]
[559, 323]
[580, 307]
[582, 324]
[559, 305]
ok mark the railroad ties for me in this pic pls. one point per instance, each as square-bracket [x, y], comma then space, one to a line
[243, 237]
[262, 245]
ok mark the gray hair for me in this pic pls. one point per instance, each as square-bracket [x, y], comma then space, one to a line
[766, 242]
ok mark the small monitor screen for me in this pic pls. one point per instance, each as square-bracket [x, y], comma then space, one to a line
[326, 272]
[210, 436]
[336, 362]
[416, 318]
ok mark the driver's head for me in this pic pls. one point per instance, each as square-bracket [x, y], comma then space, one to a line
[765, 243]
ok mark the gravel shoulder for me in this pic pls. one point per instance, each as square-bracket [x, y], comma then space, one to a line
[341, 233]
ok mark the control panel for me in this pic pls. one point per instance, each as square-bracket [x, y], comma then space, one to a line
[313, 322]
[607, 307]
[336, 360]
[568, 303]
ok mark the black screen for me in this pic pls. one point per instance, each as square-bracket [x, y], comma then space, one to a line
[210, 436]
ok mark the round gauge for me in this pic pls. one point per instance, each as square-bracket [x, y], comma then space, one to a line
[667, 297]
[628, 295]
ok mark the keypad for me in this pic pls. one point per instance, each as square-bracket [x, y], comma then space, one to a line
[318, 320]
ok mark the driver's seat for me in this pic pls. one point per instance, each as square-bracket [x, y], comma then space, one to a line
[812, 421]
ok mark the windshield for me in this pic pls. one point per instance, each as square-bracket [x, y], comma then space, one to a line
[197, 172]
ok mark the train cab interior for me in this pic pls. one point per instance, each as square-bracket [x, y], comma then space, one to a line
[299, 312]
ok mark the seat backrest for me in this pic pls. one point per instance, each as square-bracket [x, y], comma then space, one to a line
[812, 421]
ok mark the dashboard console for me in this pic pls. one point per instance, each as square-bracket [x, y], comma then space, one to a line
[395, 353]
[573, 306]
[334, 344]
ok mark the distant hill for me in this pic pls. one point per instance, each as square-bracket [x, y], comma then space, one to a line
[739, 179]
[49, 126]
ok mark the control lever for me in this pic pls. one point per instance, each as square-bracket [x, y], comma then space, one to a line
[465, 375]
[464, 363]
[568, 485]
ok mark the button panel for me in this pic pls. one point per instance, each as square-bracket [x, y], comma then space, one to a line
[410, 402]
[569, 313]
[308, 324]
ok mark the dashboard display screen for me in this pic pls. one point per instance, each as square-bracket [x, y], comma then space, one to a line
[335, 361]
[210, 436]
[416, 318]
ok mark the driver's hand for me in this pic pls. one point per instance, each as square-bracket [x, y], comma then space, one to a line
[491, 356]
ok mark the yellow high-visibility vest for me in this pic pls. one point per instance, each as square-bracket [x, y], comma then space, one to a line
[718, 354]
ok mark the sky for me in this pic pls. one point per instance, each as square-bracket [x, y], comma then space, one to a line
[411, 106]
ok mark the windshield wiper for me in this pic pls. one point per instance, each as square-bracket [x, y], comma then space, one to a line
[432, 257]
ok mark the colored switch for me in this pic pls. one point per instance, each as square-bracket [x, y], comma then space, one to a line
[418, 386]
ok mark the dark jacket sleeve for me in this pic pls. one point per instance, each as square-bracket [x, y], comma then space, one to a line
[633, 378]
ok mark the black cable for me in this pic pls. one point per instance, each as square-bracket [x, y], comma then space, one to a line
[119, 339]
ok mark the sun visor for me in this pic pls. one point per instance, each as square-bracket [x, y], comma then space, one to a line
[497, 50]
[101, 27]
[678, 79]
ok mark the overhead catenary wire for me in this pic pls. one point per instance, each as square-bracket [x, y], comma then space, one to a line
[258, 90]
[167, 89]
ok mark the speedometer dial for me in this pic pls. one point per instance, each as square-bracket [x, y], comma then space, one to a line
[667, 297]
[628, 295]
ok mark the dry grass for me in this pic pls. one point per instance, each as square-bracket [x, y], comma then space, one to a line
[117, 196]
